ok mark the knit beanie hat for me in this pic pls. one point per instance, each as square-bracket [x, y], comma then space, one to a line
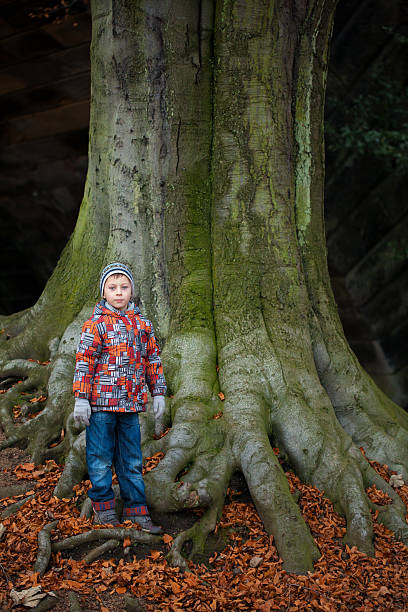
[115, 268]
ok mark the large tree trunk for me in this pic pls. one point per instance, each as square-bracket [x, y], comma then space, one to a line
[206, 175]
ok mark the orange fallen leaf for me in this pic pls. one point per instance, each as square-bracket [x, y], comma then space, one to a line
[167, 538]
[34, 400]
[221, 396]
[176, 588]
[120, 590]
[155, 554]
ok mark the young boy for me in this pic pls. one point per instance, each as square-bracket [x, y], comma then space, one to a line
[116, 360]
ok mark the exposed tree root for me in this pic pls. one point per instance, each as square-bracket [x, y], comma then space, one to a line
[201, 452]
[13, 508]
[13, 490]
[197, 534]
[120, 533]
[74, 605]
[48, 603]
[86, 509]
[132, 604]
[372, 420]
[44, 548]
[41, 431]
[273, 500]
[101, 550]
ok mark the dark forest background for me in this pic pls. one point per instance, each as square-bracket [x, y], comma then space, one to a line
[44, 113]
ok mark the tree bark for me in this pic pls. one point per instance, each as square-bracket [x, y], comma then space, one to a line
[206, 173]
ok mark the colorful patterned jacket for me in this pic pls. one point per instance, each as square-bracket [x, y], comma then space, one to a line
[117, 359]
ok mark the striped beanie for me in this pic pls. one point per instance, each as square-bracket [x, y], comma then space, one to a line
[115, 268]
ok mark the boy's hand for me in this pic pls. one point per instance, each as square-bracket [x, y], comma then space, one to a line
[82, 411]
[159, 406]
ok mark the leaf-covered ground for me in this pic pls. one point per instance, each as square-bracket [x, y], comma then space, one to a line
[245, 574]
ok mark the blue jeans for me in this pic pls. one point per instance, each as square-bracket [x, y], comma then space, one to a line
[114, 437]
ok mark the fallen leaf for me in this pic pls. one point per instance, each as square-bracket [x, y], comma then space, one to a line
[155, 554]
[34, 400]
[120, 590]
[397, 481]
[176, 588]
[221, 396]
[255, 561]
[167, 538]
[29, 597]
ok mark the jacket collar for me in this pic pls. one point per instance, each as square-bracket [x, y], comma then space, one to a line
[103, 307]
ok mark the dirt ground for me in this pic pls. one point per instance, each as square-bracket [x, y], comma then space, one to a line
[172, 523]
[240, 570]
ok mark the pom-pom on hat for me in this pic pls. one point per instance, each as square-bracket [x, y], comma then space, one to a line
[115, 268]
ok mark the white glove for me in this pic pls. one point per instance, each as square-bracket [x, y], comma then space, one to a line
[159, 406]
[82, 411]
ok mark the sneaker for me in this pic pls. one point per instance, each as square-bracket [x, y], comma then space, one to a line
[106, 517]
[145, 523]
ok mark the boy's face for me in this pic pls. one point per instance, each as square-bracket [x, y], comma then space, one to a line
[117, 291]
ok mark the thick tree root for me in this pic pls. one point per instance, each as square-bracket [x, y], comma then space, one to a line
[201, 452]
[36, 377]
[75, 465]
[195, 438]
[44, 548]
[132, 604]
[372, 420]
[276, 506]
[392, 516]
[220, 470]
[197, 534]
[74, 605]
[48, 603]
[13, 508]
[14, 490]
[55, 418]
[86, 509]
[136, 536]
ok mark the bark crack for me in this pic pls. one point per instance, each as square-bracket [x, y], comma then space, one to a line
[178, 144]
[199, 38]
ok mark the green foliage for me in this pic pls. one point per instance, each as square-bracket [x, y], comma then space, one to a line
[374, 123]
[397, 251]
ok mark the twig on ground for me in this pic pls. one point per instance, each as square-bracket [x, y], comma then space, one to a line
[6, 578]
[100, 550]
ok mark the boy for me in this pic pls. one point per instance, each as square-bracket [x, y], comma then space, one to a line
[116, 360]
